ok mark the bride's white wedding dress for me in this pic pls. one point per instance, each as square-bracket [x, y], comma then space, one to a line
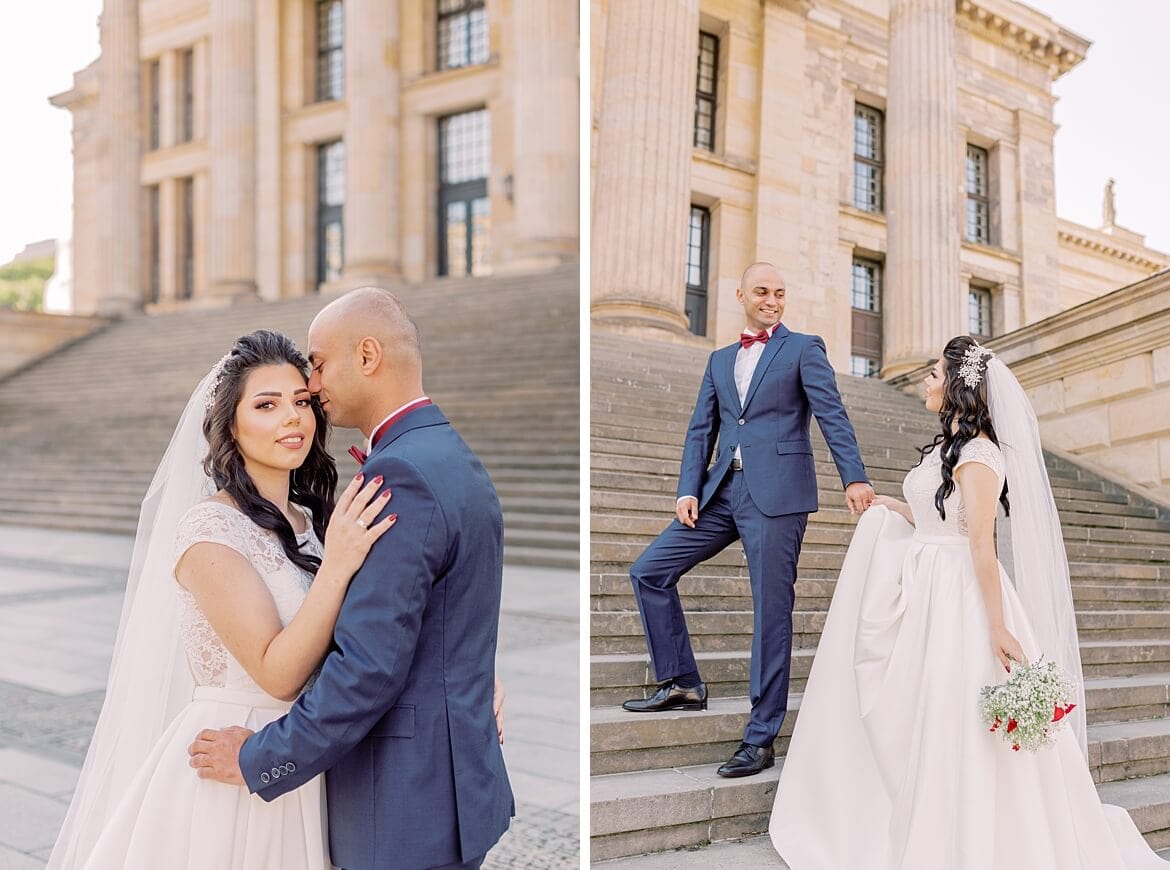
[171, 818]
[890, 766]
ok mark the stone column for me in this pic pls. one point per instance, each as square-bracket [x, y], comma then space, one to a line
[642, 181]
[924, 298]
[372, 190]
[232, 146]
[121, 121]
[546, 142]
[1039, 241]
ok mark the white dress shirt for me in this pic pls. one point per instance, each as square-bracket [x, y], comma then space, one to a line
[410, 404]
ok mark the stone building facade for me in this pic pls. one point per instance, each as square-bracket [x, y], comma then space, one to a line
[273, 148]
[893, 157]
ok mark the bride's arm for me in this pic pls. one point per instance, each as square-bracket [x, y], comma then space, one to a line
[980, 488]
[897, 506]
[241, 610]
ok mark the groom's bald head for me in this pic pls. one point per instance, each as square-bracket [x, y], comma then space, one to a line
[371, 312]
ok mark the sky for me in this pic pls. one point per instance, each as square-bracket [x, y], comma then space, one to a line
[1111, 112]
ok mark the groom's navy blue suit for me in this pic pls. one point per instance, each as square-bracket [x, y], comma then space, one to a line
[400, 716]
[766, 505]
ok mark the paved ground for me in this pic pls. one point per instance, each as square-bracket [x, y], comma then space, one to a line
[60, 599]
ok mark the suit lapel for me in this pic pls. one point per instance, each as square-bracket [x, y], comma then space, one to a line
[427, 415]
[770, 350]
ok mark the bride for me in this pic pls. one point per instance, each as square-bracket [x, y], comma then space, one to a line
[890, 766]
[229, 610]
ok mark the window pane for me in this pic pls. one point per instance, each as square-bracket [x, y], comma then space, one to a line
[705, 88]
[462, 33]
[979, 312]
[867, 133]
[866, 285]
[332, 167]
[481, 236]
[330, 50]
[456, 235]
[466, 147]
[332, 252]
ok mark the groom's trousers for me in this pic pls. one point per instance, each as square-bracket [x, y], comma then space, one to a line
[772, 547]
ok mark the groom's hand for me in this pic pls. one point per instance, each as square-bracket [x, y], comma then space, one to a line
[858, 497]
[687, 510]
[216, 754]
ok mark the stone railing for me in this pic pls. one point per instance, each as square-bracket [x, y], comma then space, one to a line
[1098, 376]
[27, 335]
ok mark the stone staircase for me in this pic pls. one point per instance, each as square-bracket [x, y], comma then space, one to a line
[654, 785]
[82, 430]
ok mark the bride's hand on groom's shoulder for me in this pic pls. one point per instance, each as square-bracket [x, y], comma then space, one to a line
[351, 531]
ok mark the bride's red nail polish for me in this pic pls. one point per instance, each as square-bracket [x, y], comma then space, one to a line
[385, 494]
[393, 518]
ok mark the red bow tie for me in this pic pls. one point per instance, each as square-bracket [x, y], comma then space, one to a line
[748, 340]
[360, 455]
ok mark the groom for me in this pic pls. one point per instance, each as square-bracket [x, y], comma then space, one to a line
[755, 397]
[400, 717]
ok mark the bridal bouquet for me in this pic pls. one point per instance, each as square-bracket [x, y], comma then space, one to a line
[1027, 710]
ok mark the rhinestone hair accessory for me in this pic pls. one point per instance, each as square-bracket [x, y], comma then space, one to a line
[217, 370]
[971, 371]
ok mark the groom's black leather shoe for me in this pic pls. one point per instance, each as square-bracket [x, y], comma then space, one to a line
[670, 697]
[748, 760]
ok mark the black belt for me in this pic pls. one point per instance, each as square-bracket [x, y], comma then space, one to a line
[736, 464]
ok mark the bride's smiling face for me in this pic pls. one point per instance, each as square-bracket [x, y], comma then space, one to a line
[274, 424]
[935, 382]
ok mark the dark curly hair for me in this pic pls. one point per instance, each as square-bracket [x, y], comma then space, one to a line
[968, 408]
[311, 486]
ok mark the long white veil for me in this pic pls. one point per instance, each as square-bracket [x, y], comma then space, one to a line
[149, 681]
[1033, 551]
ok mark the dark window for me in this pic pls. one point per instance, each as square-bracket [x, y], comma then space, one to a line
[187, 240]
[705, 89]
[152, 194]
[979, 312]
[866, 358]
[462, 33]
[187, 108]
[330, 50]
[464, 210]
[698, 258]
[330, 205]
[978, 216]
[153, 141]
[868, 158]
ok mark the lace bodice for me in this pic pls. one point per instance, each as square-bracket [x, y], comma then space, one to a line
[211, 521]
[923, 481]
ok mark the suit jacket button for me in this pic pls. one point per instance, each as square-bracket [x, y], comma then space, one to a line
[742, 421]
[292, 768]
[264, 778]
[275, 773]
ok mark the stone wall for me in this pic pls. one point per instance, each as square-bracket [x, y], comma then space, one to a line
[26, 335]
[1099, 379]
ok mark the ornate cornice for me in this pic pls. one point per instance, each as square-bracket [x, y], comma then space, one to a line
[1099, 243]
[1026, 32]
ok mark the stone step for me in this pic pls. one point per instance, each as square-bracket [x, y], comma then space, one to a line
[650, 811]
[726, 630]
[615, 677]
[623, 742]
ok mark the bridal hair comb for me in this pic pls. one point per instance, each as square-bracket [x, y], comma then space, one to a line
[971, 371]
[217, 370]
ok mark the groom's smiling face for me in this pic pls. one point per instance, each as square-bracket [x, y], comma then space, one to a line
[761, 293]
[331, 376]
